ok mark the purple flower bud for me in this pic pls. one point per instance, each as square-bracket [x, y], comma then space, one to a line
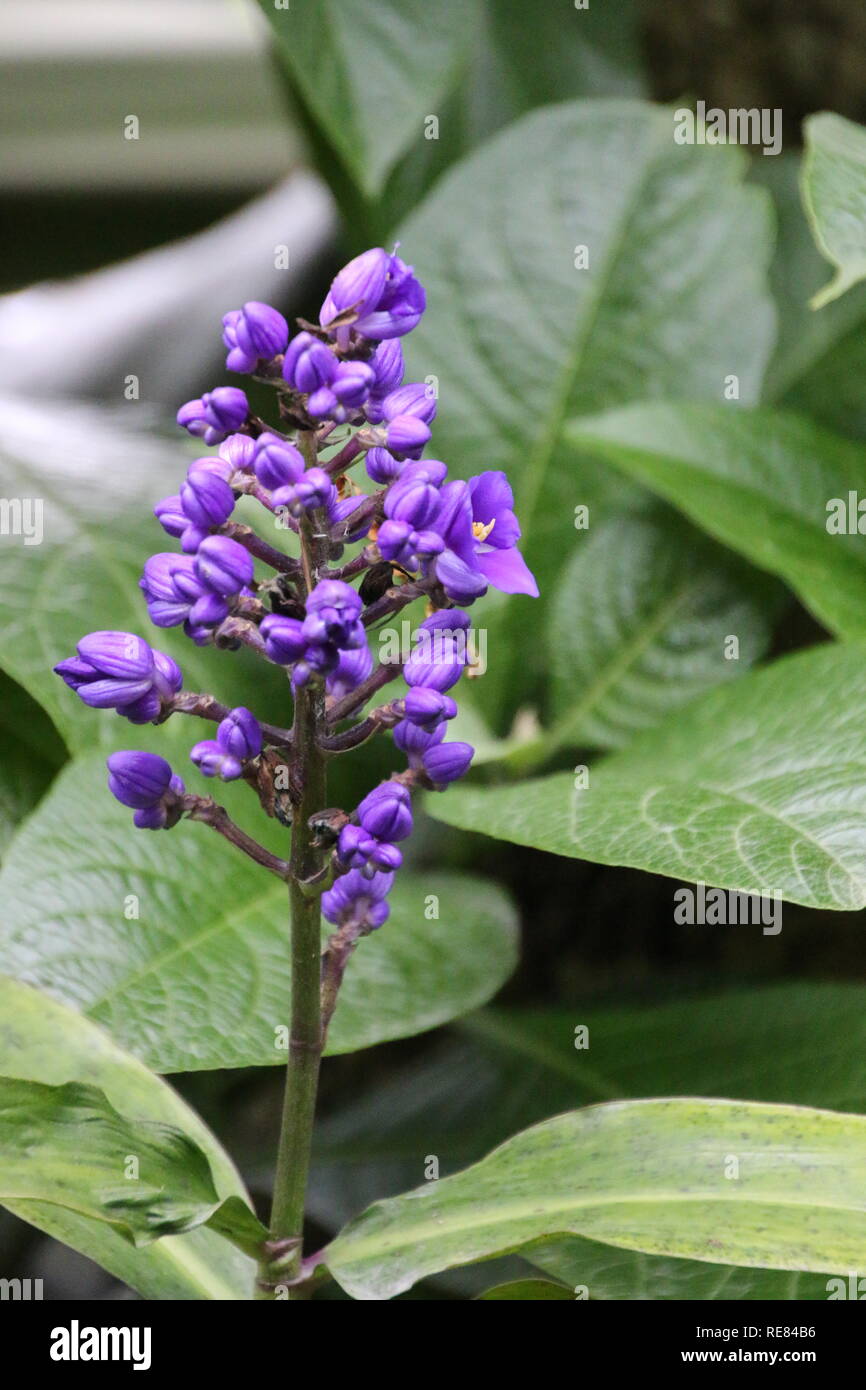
[151, 817]
[313, 489]
[450, 619]
[344, 509]
[308, 363]
[352, 383]
[406, 434]
[437, 662]
[359, 286]
[395, 540]
[399, 307]
[240, 734]
[383, 467]
[415, 398]
[120, 654]
[413, 501]
[223, 565]
[276, 463]
[384, 858]
[208, 611]
[414, 741]
[323, 403]
[447, 761]
[216, 414]
[213, 760]
[171, 515]
[237, 450]
[427, 708]
[354, 846]
[352, 668]
[387, 364]
[460, 581]
[284, 639]
[386, 812]
[207, 498]
[138, 779]
[358, 900]
[253, 332]
[336, 607]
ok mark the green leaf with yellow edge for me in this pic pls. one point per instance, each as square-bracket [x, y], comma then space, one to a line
[729, 1182]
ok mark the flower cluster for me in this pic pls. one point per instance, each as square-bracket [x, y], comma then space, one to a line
[342, 399]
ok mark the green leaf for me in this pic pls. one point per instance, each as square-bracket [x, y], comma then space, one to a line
[501, 1070]
[98, 530]
[761, 481]
[527, 1291]
[68, 1146]
[834, 197]
[757, 787]
[775, 1187]
[520, 340]
[639, 625]
[370, 74]
[43, 1040]
[200, 978]
[627, 1275]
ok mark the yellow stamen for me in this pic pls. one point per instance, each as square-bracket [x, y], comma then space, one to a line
[480, 531]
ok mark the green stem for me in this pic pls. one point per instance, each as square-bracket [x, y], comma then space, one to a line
[282, 1264]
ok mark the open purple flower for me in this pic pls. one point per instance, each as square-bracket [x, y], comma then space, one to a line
[477, 521]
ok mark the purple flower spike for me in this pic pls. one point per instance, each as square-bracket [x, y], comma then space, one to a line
[223, 565]
[216, 414]
[276, 462]
[253, 332]
[446, 762]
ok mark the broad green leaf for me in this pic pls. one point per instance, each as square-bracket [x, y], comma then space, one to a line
[769, 485]
[97, 492]
[43, 1040]
[756, 787]
[627, 1275]
[834, 197]
[502, 1070]
[814, 366]
[642, 621]
[199, 978]
[520, 340]
[527, 1291]
[768, 1186]
[68, 1146]
[370, 74]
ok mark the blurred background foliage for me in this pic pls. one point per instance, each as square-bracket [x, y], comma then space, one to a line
[119, 256]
